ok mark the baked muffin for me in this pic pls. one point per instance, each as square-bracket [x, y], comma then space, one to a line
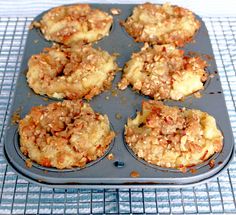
[166, 24]
[76, 23]
[173, 137]
[72, 73]
[164, 72]
[64, 134]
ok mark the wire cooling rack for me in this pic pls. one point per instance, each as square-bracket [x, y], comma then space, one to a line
[17, 196]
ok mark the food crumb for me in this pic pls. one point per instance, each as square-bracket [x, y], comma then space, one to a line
[197, 95]
[115, 11]
[114, 93]
[183, 169]
[110, 156]
[193, 171]
[36, 41]
[107, 97]
[130, 45]
[211, 76]
[116, 54]
[118, 116]
[45, 99]
[16, 116]
[28, 163]
[134, 174]
[208, 57]
[212, 163]
[34, 24]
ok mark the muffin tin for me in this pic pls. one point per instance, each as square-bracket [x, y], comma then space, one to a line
[125, 169]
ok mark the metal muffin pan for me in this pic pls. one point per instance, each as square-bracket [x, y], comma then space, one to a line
[119, 106]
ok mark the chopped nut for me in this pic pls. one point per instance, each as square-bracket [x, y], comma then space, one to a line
[34, 24]
[28, 163]
[197, 95]
[193, 170]
[134, 174]
[114, 92]
[16, 116]
[212, 163]
[110, 156]
[118, 116]
[115, 11]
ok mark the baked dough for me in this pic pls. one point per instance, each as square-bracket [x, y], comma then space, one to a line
[72, 73]
[76, 23]
[163, 72]
[64, 134]
[164, 24]
[173, 137]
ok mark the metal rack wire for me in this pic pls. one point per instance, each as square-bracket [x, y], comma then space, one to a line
[17, 196]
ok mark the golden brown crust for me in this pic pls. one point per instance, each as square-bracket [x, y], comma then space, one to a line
[77, 23]
[163, 72]
[158, 24]
[173, 137]
[64, 135]
[72, 73]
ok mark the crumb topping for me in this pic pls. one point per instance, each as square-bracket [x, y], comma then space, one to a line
[64, 134]
[77, 23]
[72, 73]
[164, 24]
[164, 72]
[173, 137]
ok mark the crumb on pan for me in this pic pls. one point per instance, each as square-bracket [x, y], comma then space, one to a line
[198, 95]
[173, 137]
[212, 163]
[110, 156]
[15, 117]
[114, 92]
[115, 11]
[72, 73]
[28, 163]
[64, 134]
[211, 75]
[76, 23]
[34, 24]
[118, 116]
[164, 24]
[193, 170]
[134, 174]
[164, 72]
